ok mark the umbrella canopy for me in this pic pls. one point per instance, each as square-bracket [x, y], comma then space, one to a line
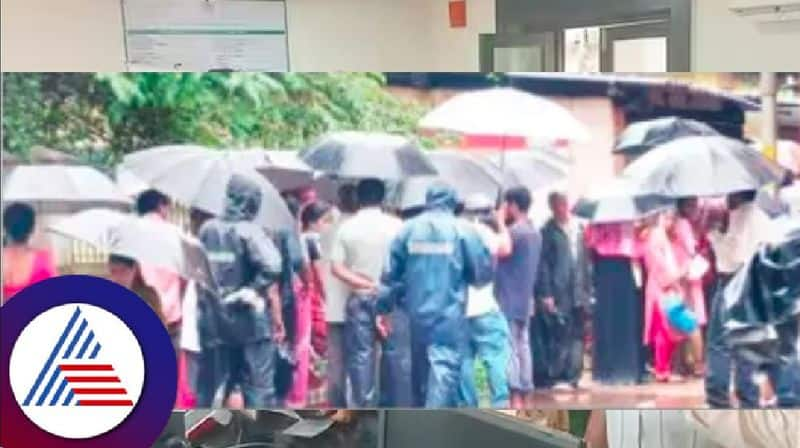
[702, 166]
[198, 177]
[532, 169]
[466, 173]
[616, 201]
[62, 188]
[359, 155]
[286, 170]
[148, 241]
[410, 193]
[643, 136]
[505, 112]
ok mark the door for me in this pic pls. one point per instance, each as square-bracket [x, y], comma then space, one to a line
[519, 53]
[640, 48]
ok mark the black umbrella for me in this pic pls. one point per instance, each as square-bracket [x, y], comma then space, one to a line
[617, 201]
[702, 166]
[643, 136]
[359, 155]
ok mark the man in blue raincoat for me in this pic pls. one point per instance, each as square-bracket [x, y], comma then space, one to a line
[432, 261]
[246, 267]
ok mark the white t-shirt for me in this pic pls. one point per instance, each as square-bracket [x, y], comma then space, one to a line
[190, 337]
[481, 301]
[362, 243]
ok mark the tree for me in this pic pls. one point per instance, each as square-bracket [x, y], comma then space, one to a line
[103, 116]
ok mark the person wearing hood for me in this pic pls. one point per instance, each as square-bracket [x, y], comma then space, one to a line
[246, 267]
[432, 262]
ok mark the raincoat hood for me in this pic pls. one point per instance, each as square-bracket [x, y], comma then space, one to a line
[242, 199]
[441, 196]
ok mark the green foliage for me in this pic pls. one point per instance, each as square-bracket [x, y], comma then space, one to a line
[105, 115]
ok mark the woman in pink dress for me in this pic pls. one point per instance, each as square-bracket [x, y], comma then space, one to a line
[662, 279]
[685, 247]
[23, 265]
[309, 300]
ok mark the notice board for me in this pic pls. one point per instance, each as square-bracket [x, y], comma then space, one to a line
[205, 35]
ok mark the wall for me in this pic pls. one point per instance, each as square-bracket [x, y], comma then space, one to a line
[344, 35]
[456, 49]
[359, 35]
[722, 41]
[71, 35]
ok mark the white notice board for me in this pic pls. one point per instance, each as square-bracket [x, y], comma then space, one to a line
[203, 35]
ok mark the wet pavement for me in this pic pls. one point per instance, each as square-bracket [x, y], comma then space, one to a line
[679, 393]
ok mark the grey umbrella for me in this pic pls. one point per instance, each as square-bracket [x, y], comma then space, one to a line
[643, 136]
[62, 188]
[148, 241]
[468, 174]
[617, 201]
[533, 169]
[702, 166]
[286, 170]
[198, 177]
[359, 155]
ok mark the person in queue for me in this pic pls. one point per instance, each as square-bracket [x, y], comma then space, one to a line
[357, 259]
[515, 283]
[432, 261]
[246, 267]
[23, 265]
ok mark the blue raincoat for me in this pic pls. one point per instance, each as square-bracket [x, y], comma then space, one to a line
[431, 263]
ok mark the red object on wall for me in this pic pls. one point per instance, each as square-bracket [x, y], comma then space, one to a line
[458, 14]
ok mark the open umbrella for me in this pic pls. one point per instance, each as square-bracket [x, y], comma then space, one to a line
[198, 177]
[643, 136]
[617, 201]
[286, 170]
[145, 240]
[358, 155]
[532, 169]
[62, 188]
[506, 112]
[467, 174]
[702, 166]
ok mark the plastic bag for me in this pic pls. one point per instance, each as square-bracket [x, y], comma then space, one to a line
[679, 316]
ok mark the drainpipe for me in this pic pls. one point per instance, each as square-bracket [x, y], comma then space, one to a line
[769, 112]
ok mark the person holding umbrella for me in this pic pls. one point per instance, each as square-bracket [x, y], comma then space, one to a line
[432, 261]
[489, 335]
[246, 266]
[150, 204]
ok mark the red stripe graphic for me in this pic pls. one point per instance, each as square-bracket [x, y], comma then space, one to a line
[93, 379]
[86, 367]
[92, 391]
[105, 403]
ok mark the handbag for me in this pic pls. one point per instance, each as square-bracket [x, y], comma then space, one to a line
[678, 315]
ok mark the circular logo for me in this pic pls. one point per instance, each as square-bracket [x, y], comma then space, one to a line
[77, 371]
[86, 363]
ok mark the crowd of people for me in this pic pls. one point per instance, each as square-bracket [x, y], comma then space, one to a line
[360, 306]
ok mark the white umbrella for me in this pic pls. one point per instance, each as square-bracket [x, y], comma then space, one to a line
[286, 170]
[62, 188]
[506, 112]
[198, 177]
[146, 240]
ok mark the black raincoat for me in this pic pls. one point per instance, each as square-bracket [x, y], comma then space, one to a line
[762, 304]
[236, 338]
